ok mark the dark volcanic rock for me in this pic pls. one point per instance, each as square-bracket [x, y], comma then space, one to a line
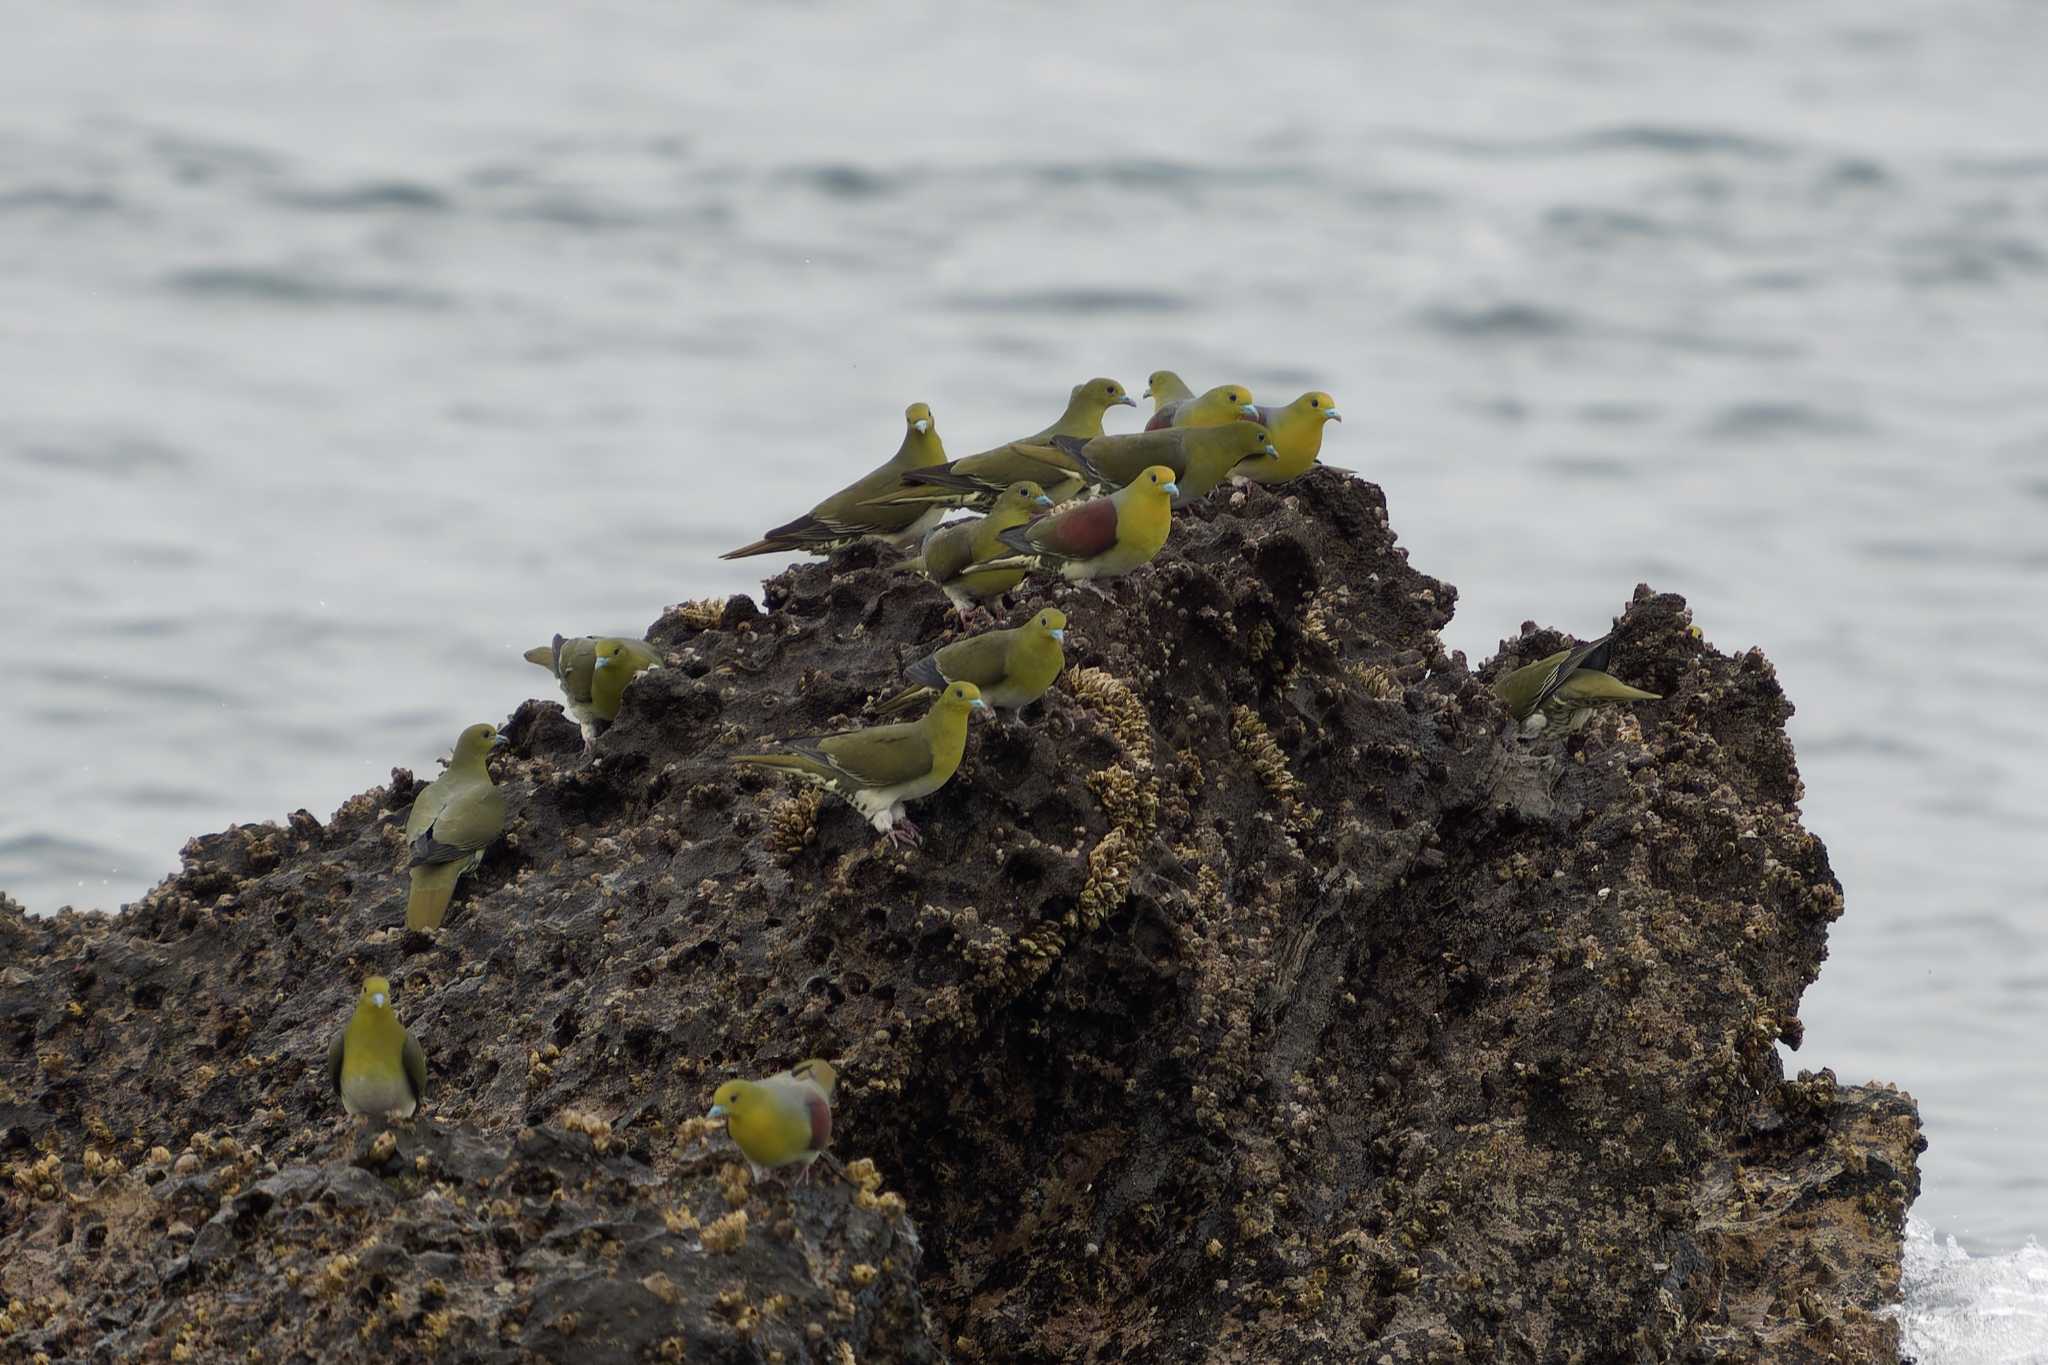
[1253, 1001]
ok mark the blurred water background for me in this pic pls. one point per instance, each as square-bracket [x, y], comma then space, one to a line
[347, 351]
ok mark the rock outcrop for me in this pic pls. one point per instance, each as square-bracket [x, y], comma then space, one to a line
[1255, 1001]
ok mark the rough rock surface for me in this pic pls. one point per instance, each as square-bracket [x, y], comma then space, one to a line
[1254, 1001]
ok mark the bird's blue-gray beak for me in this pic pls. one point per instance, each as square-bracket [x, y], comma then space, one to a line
[1268, 448]
[1249, 411]
[1335, 416]
[717, 1112]
[1059, 634]
[377, 999]
[978, 704]
[1148, 394]
[922, 425]
[1043, 501]
[1171, 487]
[605, 660]
[1123, 400]
[501, 740]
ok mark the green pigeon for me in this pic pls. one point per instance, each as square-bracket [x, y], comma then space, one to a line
[452, 822]
[374, 1064]
[851, 513]
[1011, 668]
[593, 671]
[953, 554]
[1166, 388]
[1224, 403]
[879, 769]
[1560, 691]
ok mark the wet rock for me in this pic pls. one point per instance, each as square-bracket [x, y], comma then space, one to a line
[1254, 1000]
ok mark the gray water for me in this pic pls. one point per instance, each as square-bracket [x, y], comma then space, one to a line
[345, 352]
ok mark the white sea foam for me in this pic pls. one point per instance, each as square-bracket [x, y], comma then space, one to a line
[1973, 1310]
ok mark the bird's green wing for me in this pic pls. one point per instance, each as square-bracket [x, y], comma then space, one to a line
[471, 816]
[979, 659]
[882, 756]
[949, 550]
[334, 1051]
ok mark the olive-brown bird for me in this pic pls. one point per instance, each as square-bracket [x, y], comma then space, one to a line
[452, 822]
[593, 671]
[880, 769]
[785, 1120]
[1201, 458]
[1558, 692]
[1011, 668]
[977, 480]
[851, 513]
[1224, 403]
[953, 555]
[374, 1064]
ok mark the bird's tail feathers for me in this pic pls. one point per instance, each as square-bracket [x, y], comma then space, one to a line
[433, 886]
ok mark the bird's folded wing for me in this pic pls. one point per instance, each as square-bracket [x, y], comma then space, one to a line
[883, 756]
[1079, 533]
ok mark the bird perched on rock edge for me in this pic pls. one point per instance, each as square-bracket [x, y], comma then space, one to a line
[1011, 668]
[1562, 689]
[452, 822]
[1297, 432]
[784, 1120]
[852, 513]
[373, 1063]
[953, 554]
[593, 671]
[1103, 537]
[879, 769]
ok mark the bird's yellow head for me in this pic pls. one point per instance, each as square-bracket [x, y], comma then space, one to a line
[919, 418]
[962, 696]
[1156, 481]
[1022, 496]
[732, 1098]
[1052, 621]
[608, 652]
[376, 993]
[1317, 404]
[1103, 393]
[472, 744]
[1165, 384]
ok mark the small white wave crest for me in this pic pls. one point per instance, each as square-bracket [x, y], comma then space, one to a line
[1961, 1309]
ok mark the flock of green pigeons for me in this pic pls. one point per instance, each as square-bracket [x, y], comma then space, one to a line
[1071, 499]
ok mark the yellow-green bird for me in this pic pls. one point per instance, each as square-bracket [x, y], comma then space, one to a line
[1201, 458]
[1297, 432]
[785, 1120]
[593, 671]
[880, 769]
[452, 822]
[1165, 388]
[977, 480]
[852, 512]
[1103, 537]
[953, 554]
[1560, 691]
[375, 1065]
[1224, 403]
[1011, 668]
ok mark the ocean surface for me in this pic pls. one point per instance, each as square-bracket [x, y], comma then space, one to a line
[346, 352]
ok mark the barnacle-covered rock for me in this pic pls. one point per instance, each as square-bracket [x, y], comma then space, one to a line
[1253, 999]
